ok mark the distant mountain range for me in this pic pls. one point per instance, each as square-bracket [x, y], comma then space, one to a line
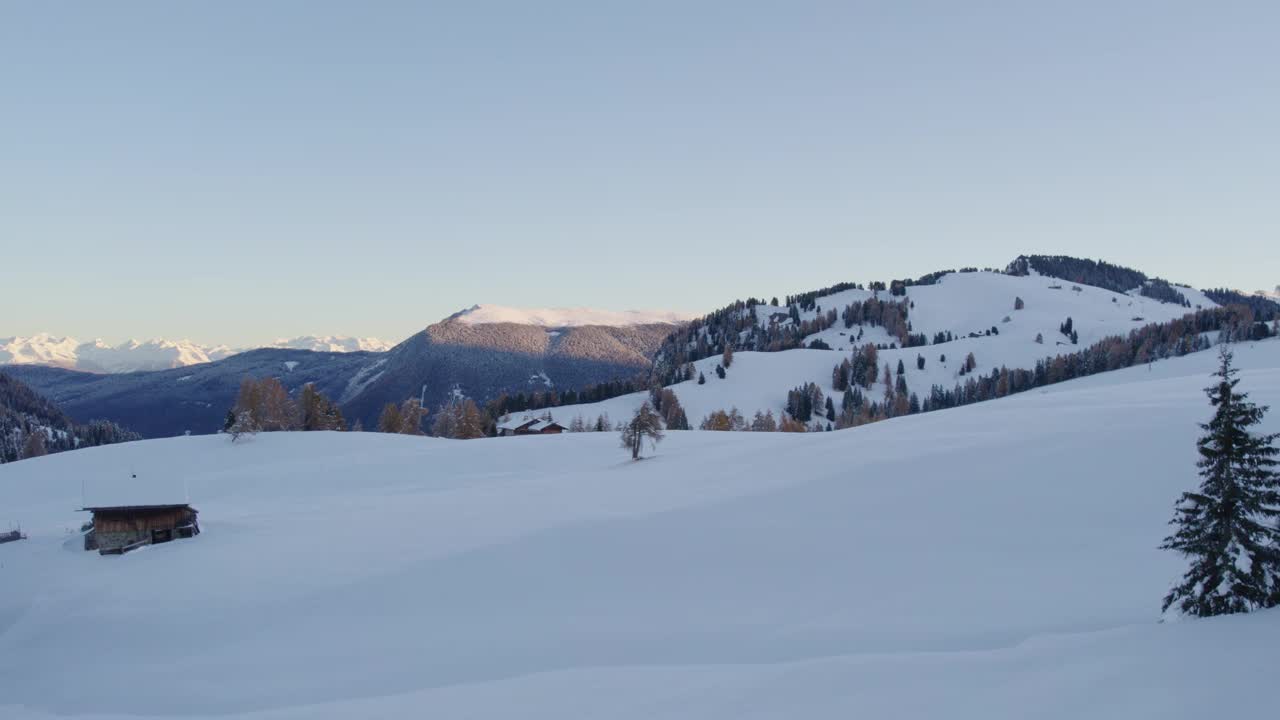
[480, 352]
[97, 356]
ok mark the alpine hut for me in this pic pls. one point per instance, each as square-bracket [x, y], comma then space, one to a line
[130, 515]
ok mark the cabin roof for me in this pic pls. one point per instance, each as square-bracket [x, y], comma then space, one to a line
[147, 487]
[517, 424]
[135, 508]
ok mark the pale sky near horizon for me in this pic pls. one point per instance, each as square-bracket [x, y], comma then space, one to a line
[234, 172]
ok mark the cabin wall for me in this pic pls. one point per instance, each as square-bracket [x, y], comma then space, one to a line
[114, 530]
[140, 521]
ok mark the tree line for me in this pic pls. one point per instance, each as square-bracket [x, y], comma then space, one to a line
[32, 426]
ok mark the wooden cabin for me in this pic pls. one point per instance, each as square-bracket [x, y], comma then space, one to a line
[119, 529]
[545, 427]
[515, 427]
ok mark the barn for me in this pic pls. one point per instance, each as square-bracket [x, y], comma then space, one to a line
[119, 529]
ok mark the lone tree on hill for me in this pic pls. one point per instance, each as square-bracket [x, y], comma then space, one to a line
[243, 424]
[644, 424]
[1228, 526]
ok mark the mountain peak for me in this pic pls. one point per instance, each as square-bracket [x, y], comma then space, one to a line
[566, 317]
[99, 356]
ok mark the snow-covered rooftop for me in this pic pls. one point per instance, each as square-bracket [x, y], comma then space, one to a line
[134, 489]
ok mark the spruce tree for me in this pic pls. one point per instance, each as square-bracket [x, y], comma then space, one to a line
[1228, 526]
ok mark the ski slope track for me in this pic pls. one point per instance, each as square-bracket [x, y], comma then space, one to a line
[997, 560]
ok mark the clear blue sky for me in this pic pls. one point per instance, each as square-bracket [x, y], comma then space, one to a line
[237, 171]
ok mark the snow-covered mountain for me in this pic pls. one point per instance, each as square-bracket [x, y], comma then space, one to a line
[333, 343]
[553, 318]
[39, 349]
[1011, 321]
[97, 356]
[488, 350]
[100, 357]
[994, 561]
[473, 357]
[975, 312]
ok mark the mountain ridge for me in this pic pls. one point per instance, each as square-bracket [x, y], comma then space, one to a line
[133, 355]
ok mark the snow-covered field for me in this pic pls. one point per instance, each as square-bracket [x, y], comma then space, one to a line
[994, 561]
[962, 303]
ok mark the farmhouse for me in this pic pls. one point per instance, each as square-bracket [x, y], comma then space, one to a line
[529, 426]
[119, 529]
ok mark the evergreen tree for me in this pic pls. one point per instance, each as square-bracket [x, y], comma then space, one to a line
[720, 371]
[1228, 526]
[902, 369]
[702, 379]
[764, 422]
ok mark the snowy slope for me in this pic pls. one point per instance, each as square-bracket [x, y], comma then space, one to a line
[961, 303]
[333, 343]
[993, 561]
[566, 317]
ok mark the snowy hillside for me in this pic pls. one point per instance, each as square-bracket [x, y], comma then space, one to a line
[977, 309]
[552, 318]
[133, 355]
[928, 566]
